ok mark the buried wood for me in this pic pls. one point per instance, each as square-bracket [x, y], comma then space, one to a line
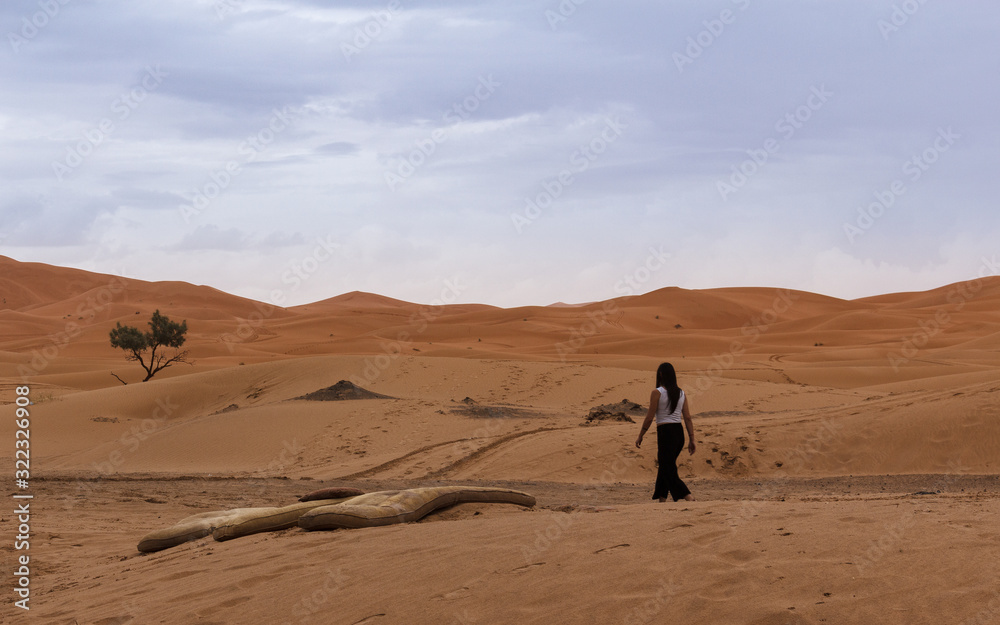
[404, 506]
[367, 510]
[227, 524]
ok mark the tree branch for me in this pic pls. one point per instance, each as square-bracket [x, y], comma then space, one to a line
[119, 379]
[162, 333]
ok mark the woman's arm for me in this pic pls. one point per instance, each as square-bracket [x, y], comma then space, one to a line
[688, 424]
[654, 403]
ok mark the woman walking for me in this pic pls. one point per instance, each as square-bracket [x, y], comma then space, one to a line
[669, 405]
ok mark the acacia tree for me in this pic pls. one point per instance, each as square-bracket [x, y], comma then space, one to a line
[162, 333]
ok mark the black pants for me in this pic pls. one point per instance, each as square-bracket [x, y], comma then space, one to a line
[669, 443]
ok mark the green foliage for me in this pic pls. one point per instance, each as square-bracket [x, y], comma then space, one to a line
[128, 338]
[162, 333]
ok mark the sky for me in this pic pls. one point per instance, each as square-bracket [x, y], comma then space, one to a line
[504, 152]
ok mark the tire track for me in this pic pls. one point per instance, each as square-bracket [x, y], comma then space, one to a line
[371, 471]
[503, 440]
[780, 358]
[397, 461]
[617, 321]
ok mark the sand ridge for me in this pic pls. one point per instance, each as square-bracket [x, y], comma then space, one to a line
[846, 463]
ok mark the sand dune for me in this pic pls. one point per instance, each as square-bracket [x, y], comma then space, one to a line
[794, 394]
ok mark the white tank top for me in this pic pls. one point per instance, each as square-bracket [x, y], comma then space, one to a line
[662, 416]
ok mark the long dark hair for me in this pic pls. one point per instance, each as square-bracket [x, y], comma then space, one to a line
[667, 378]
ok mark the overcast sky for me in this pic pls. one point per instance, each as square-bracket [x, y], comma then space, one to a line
[505, 152]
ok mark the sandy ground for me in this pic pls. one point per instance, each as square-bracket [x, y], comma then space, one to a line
[846, 468]
[796, 552]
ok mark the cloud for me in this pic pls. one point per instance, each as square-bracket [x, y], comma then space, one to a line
[47, 221]
[339, 148]
[479, 108]
[211, 237]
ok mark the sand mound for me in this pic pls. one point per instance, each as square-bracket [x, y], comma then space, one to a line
[342, 391]
[472, 408]
[622, 411]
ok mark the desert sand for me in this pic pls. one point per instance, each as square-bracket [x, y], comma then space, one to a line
[848, 462]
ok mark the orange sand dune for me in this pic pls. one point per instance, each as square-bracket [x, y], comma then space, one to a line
[795, 397]
[224, 328]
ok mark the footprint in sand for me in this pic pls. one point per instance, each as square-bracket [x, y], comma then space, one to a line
[612, 548]
[786, 617]
[710, 537]
[235, 601]
[524, 568]
[741, 556]
[259, 579]
[221, 607]
[455, 594]
[181, 575]
[677, 527]
[237, 567]
[725, 587]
